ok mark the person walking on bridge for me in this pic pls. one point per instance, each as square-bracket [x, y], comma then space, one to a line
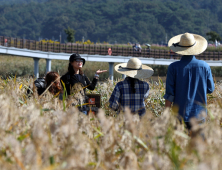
[131, 92]
[188, 80]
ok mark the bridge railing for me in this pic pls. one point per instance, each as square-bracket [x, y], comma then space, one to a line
[98, 49]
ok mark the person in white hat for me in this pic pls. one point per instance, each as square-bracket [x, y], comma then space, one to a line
[131, 92]
[188, 80]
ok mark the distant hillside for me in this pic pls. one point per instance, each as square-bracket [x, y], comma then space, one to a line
[121, 21]
[13, 2]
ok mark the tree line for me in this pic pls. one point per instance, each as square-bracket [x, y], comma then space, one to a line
[113, 21]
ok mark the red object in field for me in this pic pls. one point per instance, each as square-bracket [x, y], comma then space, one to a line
[92, 101]
[109, 51]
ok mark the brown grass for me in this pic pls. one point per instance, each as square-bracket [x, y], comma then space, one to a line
[39, 134]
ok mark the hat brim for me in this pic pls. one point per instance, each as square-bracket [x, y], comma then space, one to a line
[145, 72]
[198, 48]
[84, 61]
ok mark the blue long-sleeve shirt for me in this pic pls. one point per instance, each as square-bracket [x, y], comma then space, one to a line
[188, 82]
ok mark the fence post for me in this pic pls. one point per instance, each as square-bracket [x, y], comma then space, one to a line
[111, 64]
[78, 48]
[71, 47]
[10, 42]
[94, 49]
[65, 47]
[117, 50]
[15, 42]
[27, 44]
[22, 42]
[53, 46]
[48, 65]
[36, 67]
[41, 46]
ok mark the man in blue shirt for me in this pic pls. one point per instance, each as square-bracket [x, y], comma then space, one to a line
[188, 80]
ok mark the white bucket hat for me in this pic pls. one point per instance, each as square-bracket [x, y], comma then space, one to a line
[134, 68]
[188, 44]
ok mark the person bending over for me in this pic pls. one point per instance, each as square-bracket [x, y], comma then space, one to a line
[50, 82]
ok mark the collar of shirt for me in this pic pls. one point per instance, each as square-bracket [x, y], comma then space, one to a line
[187, 57]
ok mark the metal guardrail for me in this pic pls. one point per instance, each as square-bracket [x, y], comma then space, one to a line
[98, 49]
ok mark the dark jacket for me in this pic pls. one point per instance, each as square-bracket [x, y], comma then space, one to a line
[70, 80]
[39, 84]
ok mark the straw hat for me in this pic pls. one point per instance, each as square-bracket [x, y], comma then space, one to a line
[188, 44]
[134, 68]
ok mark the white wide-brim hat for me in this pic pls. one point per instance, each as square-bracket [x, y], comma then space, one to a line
[188, 44]
[134, 68]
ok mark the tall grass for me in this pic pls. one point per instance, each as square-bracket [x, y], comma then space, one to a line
[36, 133]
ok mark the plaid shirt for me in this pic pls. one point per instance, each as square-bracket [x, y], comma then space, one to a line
[122, 96]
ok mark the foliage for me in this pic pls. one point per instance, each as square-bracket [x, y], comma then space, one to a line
[213, 36]
[88, 42]
[113, 21]
[49, 41]
[70, 34]
[38, 133]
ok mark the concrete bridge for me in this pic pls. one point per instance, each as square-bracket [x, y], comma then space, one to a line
[36, 55]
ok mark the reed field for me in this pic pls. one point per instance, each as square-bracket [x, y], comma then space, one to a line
[45, 133]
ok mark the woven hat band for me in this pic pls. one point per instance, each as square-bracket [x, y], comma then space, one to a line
[131, 68]
[178, 45]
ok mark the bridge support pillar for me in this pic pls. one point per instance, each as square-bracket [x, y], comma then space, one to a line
[111, 64]
[36, 67]
[48, 65]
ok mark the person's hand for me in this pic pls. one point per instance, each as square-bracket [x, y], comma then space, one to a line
[100, 71]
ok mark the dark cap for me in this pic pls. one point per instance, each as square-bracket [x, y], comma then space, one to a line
[76, 56]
